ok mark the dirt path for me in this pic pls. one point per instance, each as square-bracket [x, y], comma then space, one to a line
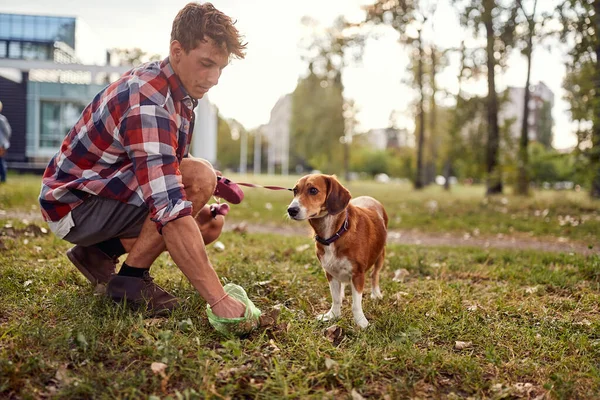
[419, 238]
[410, 237]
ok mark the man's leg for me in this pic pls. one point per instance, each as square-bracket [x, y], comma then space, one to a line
[2, 170]
[133, 281]
[199, 181]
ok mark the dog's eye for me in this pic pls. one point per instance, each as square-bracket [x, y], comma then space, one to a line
[313, 191]
[295, 190]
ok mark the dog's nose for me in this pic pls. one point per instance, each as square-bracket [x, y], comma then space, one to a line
[293, 211]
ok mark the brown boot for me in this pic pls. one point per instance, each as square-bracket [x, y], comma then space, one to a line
[141, 292]
[96, 266]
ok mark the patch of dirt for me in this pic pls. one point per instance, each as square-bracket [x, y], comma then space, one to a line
[409, 237]
[419, 238]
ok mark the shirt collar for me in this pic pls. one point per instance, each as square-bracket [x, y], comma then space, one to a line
[177, 90]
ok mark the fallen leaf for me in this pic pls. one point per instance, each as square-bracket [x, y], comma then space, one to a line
[459, 345]
[400, 275]
[531, 289]
[329, 363]
[158, 368]
[356, 395]
[62, 376]
[226, 373]
[334, 334]
[269, 318]
[303, 247]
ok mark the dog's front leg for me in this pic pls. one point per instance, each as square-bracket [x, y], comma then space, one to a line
[335, 287]
[358, 283]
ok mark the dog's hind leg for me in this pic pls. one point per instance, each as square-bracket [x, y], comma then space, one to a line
[336, 288]
[375, 291]
[358, 283]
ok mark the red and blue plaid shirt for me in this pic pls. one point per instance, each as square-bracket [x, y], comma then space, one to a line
[127, 146]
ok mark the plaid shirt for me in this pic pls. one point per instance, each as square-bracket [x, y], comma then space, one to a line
[127, 146]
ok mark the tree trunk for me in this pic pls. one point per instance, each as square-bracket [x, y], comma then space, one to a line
[419, 177]
[595, 188]
[494, 179]
[433, 116]
[523, 177]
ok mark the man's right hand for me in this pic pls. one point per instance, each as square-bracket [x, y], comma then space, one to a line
[229, 307]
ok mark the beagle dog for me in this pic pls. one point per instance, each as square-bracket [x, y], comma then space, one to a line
[350, 238]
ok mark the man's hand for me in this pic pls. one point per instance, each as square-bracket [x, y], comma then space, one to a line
[229, 308]
[186, 246]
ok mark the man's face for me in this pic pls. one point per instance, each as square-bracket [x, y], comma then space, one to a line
[200, 68]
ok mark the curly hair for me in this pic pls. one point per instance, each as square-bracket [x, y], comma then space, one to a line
[195, 21]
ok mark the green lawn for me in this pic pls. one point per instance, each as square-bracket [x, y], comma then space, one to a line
[529, 320]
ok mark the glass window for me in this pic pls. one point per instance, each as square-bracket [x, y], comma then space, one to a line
[41, 28]
[14, 50]
[70, 115]
[35, 51]
[16, 26]
[3, 50]
[51, 134]
[4, 26]
[65, 31]
[29, 27]
[57, 119]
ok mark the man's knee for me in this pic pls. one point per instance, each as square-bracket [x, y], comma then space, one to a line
[199, 179]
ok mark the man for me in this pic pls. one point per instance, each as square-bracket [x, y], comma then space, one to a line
[122, 181]
[5, 133]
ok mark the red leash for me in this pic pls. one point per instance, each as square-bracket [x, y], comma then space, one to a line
[264, 187]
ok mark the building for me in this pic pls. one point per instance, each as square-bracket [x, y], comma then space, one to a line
[51, 67]
[541, 103]
[385, 138]
[277, 133]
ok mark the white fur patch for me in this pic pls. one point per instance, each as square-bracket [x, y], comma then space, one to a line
[339, 268]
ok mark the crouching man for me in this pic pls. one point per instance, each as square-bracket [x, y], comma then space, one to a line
[123, 182]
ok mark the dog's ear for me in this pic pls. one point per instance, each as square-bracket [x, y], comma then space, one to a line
[338, 196]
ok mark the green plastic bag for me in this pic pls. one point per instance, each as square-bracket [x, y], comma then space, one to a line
[236, 326]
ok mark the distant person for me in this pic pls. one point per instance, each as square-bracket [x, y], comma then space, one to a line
[5, 133]
[123, 181]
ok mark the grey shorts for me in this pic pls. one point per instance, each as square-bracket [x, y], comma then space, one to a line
[98, 219]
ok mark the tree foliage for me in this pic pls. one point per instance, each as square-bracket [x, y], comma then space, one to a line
[581, 26]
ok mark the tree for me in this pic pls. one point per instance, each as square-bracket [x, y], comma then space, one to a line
[318, 105]
[134, 56]
[581, 26]
[408, 18]
[523, 179]
[497, 19]
[544, 130]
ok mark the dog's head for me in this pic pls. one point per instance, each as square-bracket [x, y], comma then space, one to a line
[316, 196]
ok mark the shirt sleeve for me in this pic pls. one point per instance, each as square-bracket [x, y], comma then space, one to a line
[150, 140]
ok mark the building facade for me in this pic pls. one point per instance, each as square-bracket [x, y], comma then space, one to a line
[541, 103]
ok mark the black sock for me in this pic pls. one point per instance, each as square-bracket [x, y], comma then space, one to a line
[111, 247]
[126, 270]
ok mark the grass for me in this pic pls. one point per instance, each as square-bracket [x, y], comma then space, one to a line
[530, 318]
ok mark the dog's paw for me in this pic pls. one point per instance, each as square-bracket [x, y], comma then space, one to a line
[329, 316]
[376, 294]
[362, 322]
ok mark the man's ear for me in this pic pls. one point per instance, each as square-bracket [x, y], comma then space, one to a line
[338, 196]
[175, 51]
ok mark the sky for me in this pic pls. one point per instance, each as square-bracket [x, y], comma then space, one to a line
[249, 88]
